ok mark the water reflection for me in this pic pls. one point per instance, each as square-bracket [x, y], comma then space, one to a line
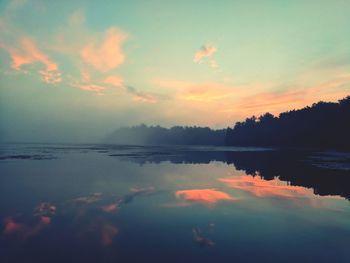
[266, 188]
[200, 239]
[141, 205]
[205, 196]
[299, 168]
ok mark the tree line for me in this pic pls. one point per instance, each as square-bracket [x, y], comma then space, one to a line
[177, 135]
[322, 125]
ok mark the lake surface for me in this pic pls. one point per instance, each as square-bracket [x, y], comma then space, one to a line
[100, 203]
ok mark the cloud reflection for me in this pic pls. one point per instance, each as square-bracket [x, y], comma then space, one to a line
[205, 196]
[22, 230]
[263, 188]
[135, 191]
[108, 232]
[89, 199]
[200, 239]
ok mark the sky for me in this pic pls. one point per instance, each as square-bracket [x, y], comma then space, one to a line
[74, 71]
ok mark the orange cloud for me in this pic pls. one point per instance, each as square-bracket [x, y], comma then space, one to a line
[28, 53]
[279, 101]
[266, 188]
[204, 51]
[108, 54]
[205, 196]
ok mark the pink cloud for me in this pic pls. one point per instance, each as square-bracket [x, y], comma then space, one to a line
[108, 54]
[293, 98]
[26, 53]
[204, 51]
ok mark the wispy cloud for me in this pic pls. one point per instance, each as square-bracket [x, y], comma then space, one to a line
[199, 92]
[91, 87]
[203, 52]
[26, 52]
[293, 97]
[140, 96]
[106, 54]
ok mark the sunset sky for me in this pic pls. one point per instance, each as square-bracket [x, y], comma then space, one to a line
[76, 70]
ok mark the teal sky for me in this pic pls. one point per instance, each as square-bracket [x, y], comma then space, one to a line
[76, 70]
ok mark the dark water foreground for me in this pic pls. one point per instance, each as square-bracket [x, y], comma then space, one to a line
[61, 203]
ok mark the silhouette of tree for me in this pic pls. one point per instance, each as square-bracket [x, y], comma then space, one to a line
[323, 125]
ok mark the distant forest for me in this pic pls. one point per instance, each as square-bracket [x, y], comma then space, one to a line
[324, 125]
[178, 135]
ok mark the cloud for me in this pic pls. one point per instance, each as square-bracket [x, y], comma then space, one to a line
[50, 77]
[294, 97]
[205, 196]
[137, 95]
[203, 52]
[207, 92]
[200, 92]
[114, 80]
[26, 52]
[140, 96]
[107, 54]
[90, 87]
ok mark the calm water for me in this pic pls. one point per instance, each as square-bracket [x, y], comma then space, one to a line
[62, 203]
